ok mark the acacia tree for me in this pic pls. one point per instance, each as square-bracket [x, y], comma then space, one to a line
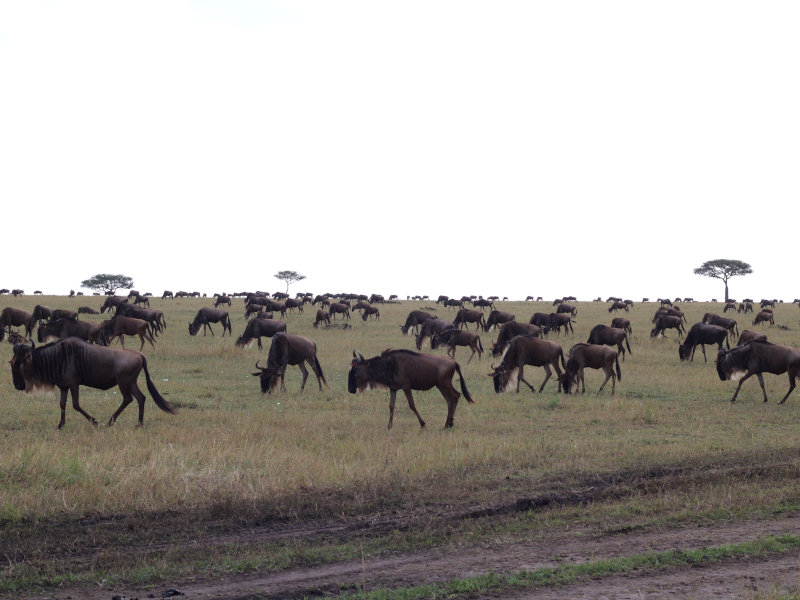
[723, 268]
[108, 284]
[289, 277]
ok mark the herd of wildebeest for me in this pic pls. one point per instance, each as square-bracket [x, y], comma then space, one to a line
[78, 352]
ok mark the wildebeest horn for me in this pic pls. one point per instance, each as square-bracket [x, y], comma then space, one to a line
[262, 368]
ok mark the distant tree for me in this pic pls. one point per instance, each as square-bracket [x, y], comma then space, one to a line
[723, 268]
[108, 284]
[289, 277]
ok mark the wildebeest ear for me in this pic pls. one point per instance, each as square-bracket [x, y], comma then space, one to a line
[256, 374]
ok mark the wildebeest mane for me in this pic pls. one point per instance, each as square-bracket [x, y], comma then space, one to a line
[52, 361]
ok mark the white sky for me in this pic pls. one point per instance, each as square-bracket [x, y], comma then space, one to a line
[416, 147]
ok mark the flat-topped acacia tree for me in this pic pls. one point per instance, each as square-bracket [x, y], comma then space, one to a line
[723, 268]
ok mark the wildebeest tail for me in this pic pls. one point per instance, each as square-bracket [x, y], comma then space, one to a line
[619, 371]
[480, 345]
[464, 389]
[319, 370]
[157, 398]
[628, 344]
[561, 354]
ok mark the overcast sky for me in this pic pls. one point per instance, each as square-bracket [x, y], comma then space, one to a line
[432, 147]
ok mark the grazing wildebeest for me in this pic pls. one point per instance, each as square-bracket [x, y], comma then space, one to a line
[442, 299]
[670, 312]
[466, 315]
[557, 321]
[483, 303]
[323, 316]
[541, 320]
[339, 308]
[497, 318]
[618, 305]
[665, 301]
[622, 323]
[757, 357]
[141, 300]
[154, 317]
[258, 328]
[120, 326]
[665, 322]
[15, 317]
[41, 313]
[729, 324]
[702, 334]
[17, 292]
[610, 336]
[745, 307]
[511, 330]
[113, 302]
[407, 370]
[523, 350]
[376, 299]
[764, 317]
[371, 311]
[593, 356]
[749, 336]
[729, 306]
[288, 349]
[167, 294]
[68, 327]
[454, 303]
[430, 328]
[71, 363]
[457, 337]
[414, 319]
[222, 300]
[292, 303]
[205, 316]
[567, 308]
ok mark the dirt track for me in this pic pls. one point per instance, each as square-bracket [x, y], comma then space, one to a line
[720, 580]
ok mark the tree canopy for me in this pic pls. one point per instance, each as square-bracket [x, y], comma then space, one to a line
[723, 268]
[103, 282]
[289, 277]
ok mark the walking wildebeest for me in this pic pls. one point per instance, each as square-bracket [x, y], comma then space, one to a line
[622, 323]
[15, 317]
[457, 337]
[729, 324]
[339, 308]
[205, 316]
[258, 328]
[113, 302]
[757, 357]
[407, 370]
[610, 336]
[414, 319]
[511, 330]
[497, 318]
[71, 363]
[524, 350]
[466, 315]
[593, 356]
[120, 326]
[764, 317]
[68, 327]
[749, 336]
[665, 322]
[288, 349]
[702, 334]
[430, 328]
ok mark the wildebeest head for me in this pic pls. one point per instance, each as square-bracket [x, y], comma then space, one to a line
[685, 352]
[269, 378]
[503, 378]
[193, 329]
[730, 363]
[20, 361]
[373, 373]
[357, 377]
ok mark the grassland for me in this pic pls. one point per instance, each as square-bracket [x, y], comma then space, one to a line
[668, 450]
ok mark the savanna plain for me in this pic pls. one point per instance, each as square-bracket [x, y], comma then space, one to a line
[664, 489]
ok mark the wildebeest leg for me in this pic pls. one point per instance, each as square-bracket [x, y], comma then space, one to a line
[413, 407]
[609, 371]
[547, 374]
[259, 343]
[126, 399]
[282, 375]
[73, 390]
[738, 387]
[522, 379]
[792, 376]
[471, 355]
[392, 398]
[761, 382]
[304, 371]
[209, 328]
[582, 381]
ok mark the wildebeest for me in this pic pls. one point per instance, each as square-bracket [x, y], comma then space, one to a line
[665, 322]
[702, 334]
[288, 349]
[414, 319]
[154, 317]
[749, 336]
[141, 300]
[729, 324]
[454, 303]
[757, 357]
[524, 350]
[431, 327]
[593, 356]
[510, 331]
[60, 313]
[222, 300]
[339, 308]
[205, 316]
[618, 305]
[371, 311]
[258, 328]
[729, 306]
[541, 320]
[457, 337]
[68, 327]
[120, 326]
[559, 320]
[167, 294]
[670, 312]
[323, 316]
[407, 370]
[465, 315]
[622, 323]
[567, 308]
[745, 307]
[15, 317]
[497, 318]
[764, 317]
[113, 302]
[41, 313]
[71, 363]
[610, 336]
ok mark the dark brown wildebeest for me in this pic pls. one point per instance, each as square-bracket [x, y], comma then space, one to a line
[253, 309]
[154, 317]
[17, 292]
[141, 300]
[729, 306]
[757, 357]
[665, 301]
[222, 300]
[483, 303]
[205, 316]
[670, 312]
[287, 349]
[497, 318]
[618, 305]
[442, 299]
[764, 317]
[414, 319]
[702, 334]
[359, 305]
[431, 327]
[71, 363]
[167, 294]
[113, 302]
[68, 327]
[745, 307]
[466, 315]
[293, 303]
[457, 337]
[60, 313]
[567, 308]
[593, 356]
[665, 322]
[454, 303]
[376, 299]
[258, 328]
[41, 313]
[541, 320]
[371, 311]
[511, 330]
[523, 350]
[610, 336]
[749, 336]
[323, 316]
[557, 321]
[729, 324]
[765, 303]
[407, 370]
[622, 323]
[120, 326]
[15, 317]
[339, 308]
